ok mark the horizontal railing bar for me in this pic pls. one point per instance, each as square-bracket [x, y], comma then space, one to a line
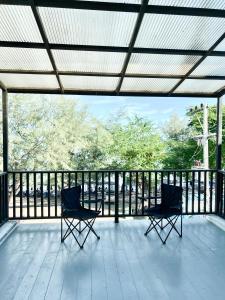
[119, 171]
[3, 173]
[221, 171]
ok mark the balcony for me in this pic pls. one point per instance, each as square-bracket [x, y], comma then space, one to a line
[111, 48]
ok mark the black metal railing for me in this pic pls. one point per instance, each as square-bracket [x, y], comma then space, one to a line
[36, 194]
[220, 191]
[3, 198]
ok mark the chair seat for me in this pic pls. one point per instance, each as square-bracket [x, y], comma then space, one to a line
[81, 213]
[159, 212]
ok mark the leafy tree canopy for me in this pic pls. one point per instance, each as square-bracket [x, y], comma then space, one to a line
[136, 144]
[44, 134]
[47, 133]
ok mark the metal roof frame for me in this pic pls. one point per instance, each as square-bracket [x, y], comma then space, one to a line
[97, 48]
[132, 42]
[45, 39]
[141, 9]
[122, 7]
[106, 93]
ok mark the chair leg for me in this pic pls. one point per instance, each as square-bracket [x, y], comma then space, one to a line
[62, 230]
[80, 227]
[171, 222]
[91, 227]
[153, 223]
[162, 225]
[173, 225]
[150, 227]
[163, 241]
[89, 230]
[181, 225]
[70, 231]
[72, 227]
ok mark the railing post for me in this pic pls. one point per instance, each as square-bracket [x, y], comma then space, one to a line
[116, 197]
[219, 191]
[219, 177]
[1, 203]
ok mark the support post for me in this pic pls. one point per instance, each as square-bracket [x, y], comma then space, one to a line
[219, 176]
[116, 197]
[5, 147]
[5, 129]
[219, 134]
[206, 146]
[205, 137]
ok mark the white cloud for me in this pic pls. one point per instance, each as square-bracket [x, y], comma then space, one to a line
[167, 111]
[105, 100]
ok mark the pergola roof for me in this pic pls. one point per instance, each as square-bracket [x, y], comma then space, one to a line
[132, 47]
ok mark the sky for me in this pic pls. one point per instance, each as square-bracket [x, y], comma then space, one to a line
[157, 109]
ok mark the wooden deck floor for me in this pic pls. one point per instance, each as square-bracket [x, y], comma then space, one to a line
[124, 264]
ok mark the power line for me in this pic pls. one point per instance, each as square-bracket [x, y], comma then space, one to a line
[203, 139]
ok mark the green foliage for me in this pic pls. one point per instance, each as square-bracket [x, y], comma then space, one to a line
[44, 134]
[58, 133]
[136, 144]
[180, 147]
[94, 155]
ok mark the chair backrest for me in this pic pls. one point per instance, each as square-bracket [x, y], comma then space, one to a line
[71, 197]
[171, 195]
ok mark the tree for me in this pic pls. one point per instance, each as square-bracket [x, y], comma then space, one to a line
[180, 148]
[57, 133]
[44, 134]
[94, 155]
[136, 144]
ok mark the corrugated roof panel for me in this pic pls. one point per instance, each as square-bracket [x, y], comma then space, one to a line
[89, 61]
[17, 23]
[179, 32]
[212, 65]
[24, 59]
[88, 27]
[200, 86]
[148, 85]
[213, 4]
[221, 46]
[29, 81]
[161, 64]
[89, 83]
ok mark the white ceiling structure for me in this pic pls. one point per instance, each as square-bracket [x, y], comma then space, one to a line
[155, 47]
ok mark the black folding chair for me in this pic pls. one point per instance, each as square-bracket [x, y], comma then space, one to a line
[169, 209]
[72, 210]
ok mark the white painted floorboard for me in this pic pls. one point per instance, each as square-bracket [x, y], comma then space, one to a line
[122, 265]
